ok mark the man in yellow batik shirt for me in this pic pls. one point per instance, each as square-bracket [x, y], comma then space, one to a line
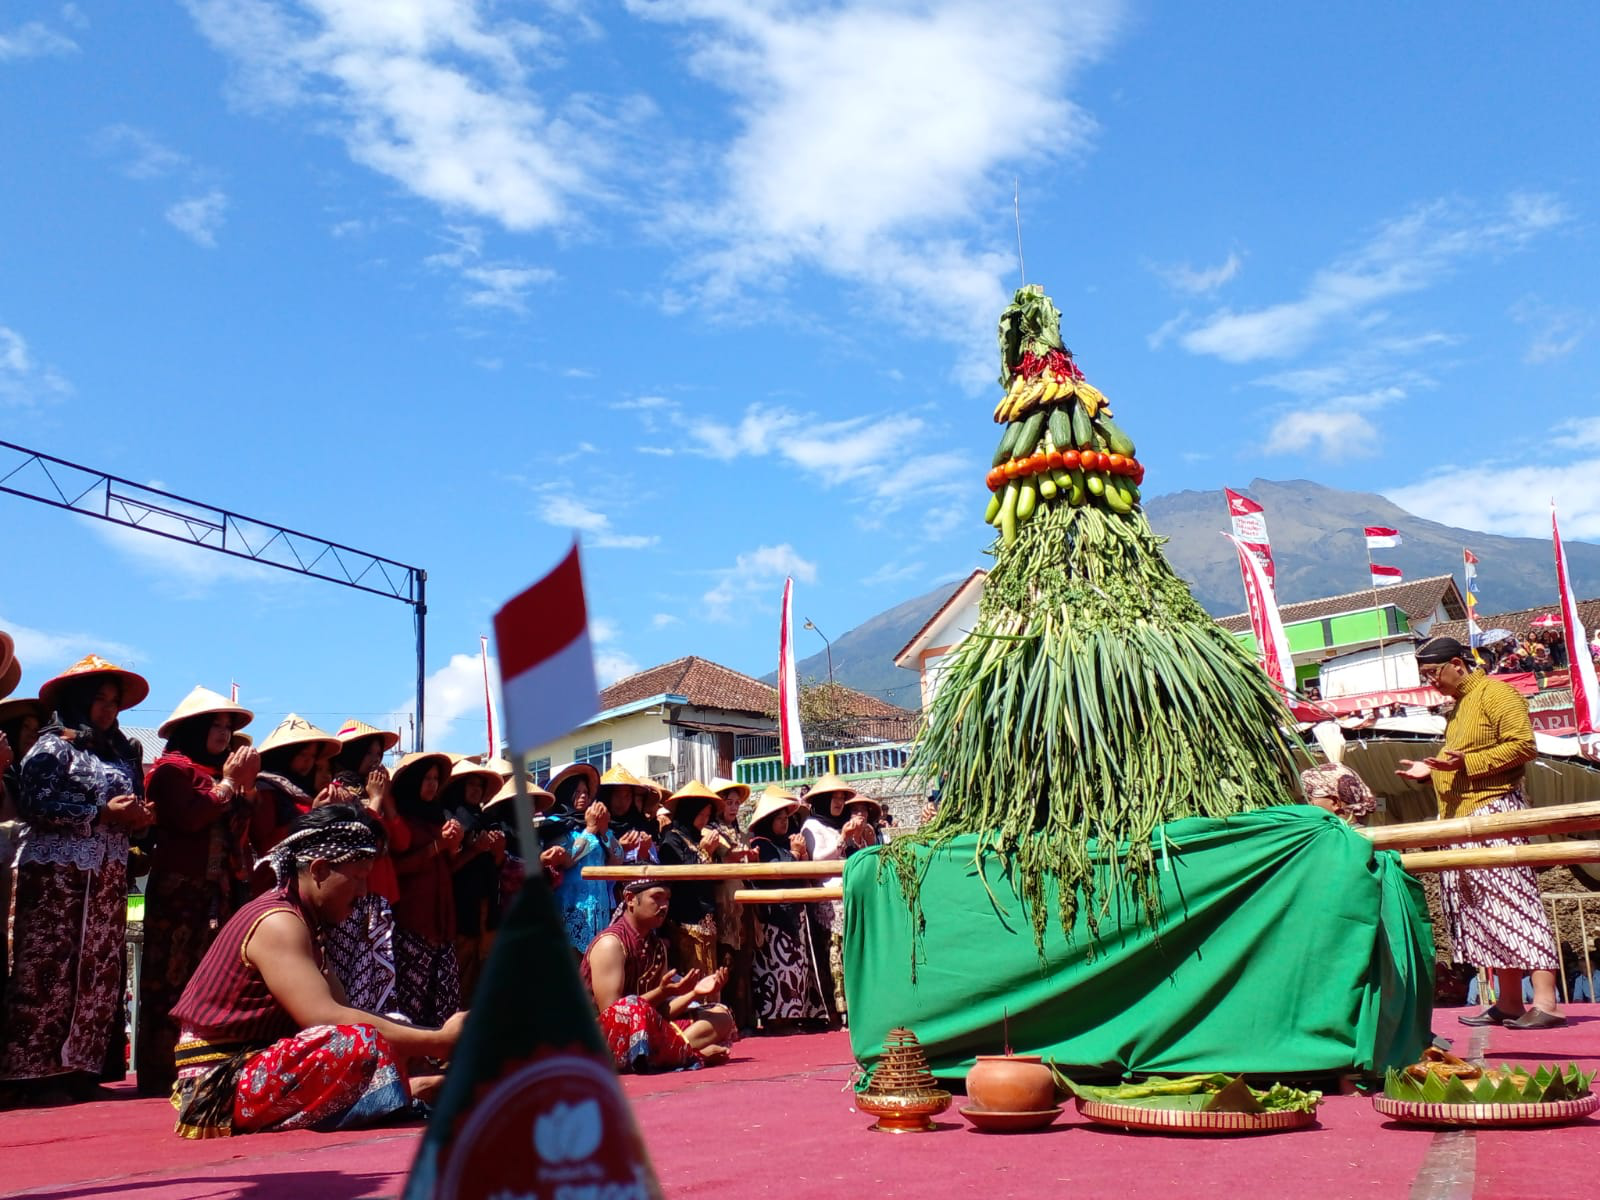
[1495, 915]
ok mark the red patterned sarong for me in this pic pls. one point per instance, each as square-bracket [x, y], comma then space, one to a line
[1496, 917]
[641, 1039]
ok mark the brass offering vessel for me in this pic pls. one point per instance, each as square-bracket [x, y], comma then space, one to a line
[904, 1096]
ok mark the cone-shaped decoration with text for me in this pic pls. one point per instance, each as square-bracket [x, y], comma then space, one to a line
[1095, 700]
[532, 1107]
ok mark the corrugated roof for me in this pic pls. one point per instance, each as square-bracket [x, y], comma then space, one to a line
[1417, 599]
[1521, 621]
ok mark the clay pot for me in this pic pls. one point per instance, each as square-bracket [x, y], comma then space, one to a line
[1012, 1083]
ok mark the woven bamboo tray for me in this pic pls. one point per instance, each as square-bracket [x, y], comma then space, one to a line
[1174, 1120]
[1487, 1116]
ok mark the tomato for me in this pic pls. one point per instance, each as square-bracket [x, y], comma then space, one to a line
[1070, 460]
[1057, 460]
[1016, 467]
[1117, 465]
[1138, 475]
[990, 479]
[1090, 460]
[1038, 462]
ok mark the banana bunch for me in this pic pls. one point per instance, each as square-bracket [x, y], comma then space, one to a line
[1043, 389]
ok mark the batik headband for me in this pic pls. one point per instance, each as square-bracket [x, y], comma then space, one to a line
[337, 843]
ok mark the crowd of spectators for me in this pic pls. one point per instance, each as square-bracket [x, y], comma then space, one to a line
[216, 826]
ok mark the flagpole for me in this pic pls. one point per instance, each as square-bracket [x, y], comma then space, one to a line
[1372, 578]
[488, 706]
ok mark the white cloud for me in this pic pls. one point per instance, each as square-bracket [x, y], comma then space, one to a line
[434, 94]
[1406, 255]
[489, 284]
[1556, 332]
[1513, 500]
[43, 653]
[565, 512]
[602, 630]
[1580, 432]
[755, 581]
[454, 719]
[23, 381]
[141, 155]
[1200, 281]
[893, 572]
[1331, 433]
[612, 665]
[877, 142]
[661, 620]
[34, 40]
[181, 567]
[200, 217]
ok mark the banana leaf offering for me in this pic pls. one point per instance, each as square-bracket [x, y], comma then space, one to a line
[1496, 1085]
[1216, 1092]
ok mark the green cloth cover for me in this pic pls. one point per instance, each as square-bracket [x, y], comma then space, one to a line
[1287, 947]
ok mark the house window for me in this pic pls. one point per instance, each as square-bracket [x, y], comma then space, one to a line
[539, 771]
[597, 755]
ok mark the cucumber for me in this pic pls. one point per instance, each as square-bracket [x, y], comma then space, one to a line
[1133, 491]
[1027, 499]
[1100, 442]
[1082, 430]
[1095, 483]
[1079, 492]
[1047, 487]
[1121, 443]
[1116, 499]
[1007, 440]
[1008, 513]
[993, 511]
[1029, 437]
[1061, 427]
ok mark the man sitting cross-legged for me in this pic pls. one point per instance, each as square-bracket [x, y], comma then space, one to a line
[266, 1041]
[652, 1019]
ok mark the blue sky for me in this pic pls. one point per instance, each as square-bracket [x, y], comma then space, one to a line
[714, 282]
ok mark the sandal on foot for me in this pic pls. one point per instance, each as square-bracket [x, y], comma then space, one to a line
[1536, 1018]
[1491, 1016]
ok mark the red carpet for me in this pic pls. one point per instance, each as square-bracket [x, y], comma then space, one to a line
[777, 1121]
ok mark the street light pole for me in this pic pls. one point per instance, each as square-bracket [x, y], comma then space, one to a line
[829, 645]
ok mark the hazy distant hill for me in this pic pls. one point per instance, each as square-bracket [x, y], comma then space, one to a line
[1317, 544]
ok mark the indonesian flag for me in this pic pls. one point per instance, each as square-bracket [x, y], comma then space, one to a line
[1381, 537]
[1250, 527]
[547, 685]
[1272, 642]
[1382, 575]
[789, 735]
[1585, 691]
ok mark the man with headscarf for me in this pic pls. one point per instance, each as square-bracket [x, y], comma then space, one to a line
[1496, 917]
[267, 1041]
[653, 1019]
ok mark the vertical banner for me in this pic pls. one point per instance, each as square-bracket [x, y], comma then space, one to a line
[488, 701]
[1250, 528]
[1585, 692]
[1272, 642]
[1469, 589]
[790, 737]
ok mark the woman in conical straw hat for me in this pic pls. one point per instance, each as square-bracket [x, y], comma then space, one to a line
[476, 882]
[428, 975]
[10, 668]
[624, 796]
[736, 929]
[787, 975]
[824, 833]
[587, 904]
[82, 795]
[690, 840]
[286, 786]
[204, 796]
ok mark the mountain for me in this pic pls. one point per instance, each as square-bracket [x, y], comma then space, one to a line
[1317, 545]
[863, 658]
[1319, 549]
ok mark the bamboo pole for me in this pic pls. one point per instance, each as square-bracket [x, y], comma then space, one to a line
[705, 871]
[1557, 818]
[800, 895]
[1556, 854]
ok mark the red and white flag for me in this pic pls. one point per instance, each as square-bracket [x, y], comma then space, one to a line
[1250, 527]
[790, 737]
[1585, 691]
[547, 683]
[488, 700]
[1381, 537]
[1382, 575]
[1272, 641]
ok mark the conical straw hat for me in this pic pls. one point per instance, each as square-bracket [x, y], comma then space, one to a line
[10, 668]
[204, 702]
[576, 768]
[466, 769]
[133, 688]
[693, 790]
[774, 800]
[354, 731]
[722, 786]
[420, 760]
[827, 785]
[620, 776]
[295, 730]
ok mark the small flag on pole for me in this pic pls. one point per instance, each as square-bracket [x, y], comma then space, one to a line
[1381, 537]
[546, 666]
[488, 700]
[1382, 575]
[233, 693]
[1585, 687]
[1469, 575]
[531, 1106]
[790, 737]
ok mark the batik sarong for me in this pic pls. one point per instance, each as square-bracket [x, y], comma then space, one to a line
[1495, 916]
[641, 1039]
[787, 983]
[427, 981]
[327, 1077]
[360, 949]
